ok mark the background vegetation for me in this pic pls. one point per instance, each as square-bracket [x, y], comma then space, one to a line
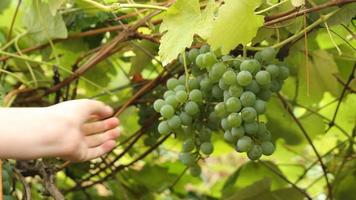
[122, 53]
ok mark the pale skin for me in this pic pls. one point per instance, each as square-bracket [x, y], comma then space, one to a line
[77, 130]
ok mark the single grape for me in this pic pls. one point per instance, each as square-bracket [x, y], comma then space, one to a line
[196, 96]
[187, 158]
[223, 85]
[234, 120]
[217, 71]
[248, 98]
[228, 137]
[260, 106]
[220, 109]
[229, 77]
[251, 128]
[238, 132]
[210, 59]
[244, 78]
[195, 170]
[235, 91]
[236, 63]
[193, 83]
[267, 54]
[174, 122]
[206, 84]
[213, 121]
[273, 70]
[157, 105]
[205, 135]
[264, 94]
[185, 118]
[163, 128]
[217, 92]
[258, 57]
[204, 49]
[244, 144]
[253, 87]
[199, 61]
[275, 86]
[172, 100]
[191, 108]
[233, 104]
[248, 114]
[206, 148]
[179, 87]
[255, 152]
[172, 83]
[263, 134]
[168, 93]
[267, 148]
[263, 78]
[283, 73]
[225, 124]
[192, 54]
[188, 145]
[167, 111]
[250, 65]
[181, 96]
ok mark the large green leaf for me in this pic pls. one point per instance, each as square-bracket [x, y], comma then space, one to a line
[144, 52]
[180, 22]
[236, 24]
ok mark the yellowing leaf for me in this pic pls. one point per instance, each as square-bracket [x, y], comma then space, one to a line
[236, 24]
[180, 22]
[297, 3]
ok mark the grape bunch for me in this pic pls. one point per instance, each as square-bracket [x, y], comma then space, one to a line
[222, 94]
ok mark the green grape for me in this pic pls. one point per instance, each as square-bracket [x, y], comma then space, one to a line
[187, 61]
[244, 144]
[220, 109]
[205, 135]
[187, 158]
[174, 122]
[191, 108]
[195, 170]
[217, 92]
[273, 70]
[226, 95]
[168, 93]
[244, 78]
[206, 148]
[172, 83]
[263, 134]
[229, 77]
[236, 63]
[225, 124]
[163, 128]
[275, 86]
[227, 59]
[217, 71]
[263, 78]
[204, 49]
[250, 65]
[248, 114]
[253, 87]
[223, 85]
[210, 59]
[196, 71]
[199, 61]
[265, 94]
[267, 148]
[234, 120]
[172, 100]
[260, 106]
[233, 104]
[157, 105]
[258, 57]
[283, 73]
[167, 111]
[228, 136]
[268, 54]
[188, 145]
[186, 119]
[205, 84]
[235, 91]
[248, 98]
[255, 152]
[251, 128]
[213, 121]
[238, 132]
[193, 83]
[181, 80]
[196, 96]
[192, 54]
[179, 87]
[181, 96]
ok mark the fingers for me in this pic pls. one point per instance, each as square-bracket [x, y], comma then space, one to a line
[98, 139]
[100, 126]
[92, 107]
[100, 150]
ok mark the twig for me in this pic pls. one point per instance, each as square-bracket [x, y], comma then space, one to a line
[14, 19]
[27, 188]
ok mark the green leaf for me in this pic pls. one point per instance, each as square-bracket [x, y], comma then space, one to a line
[236, 24]
[344, 15]
[144, 52]
[54, 5]
[180, 22]
[42, 25]
[4, 4]
[297, 3]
